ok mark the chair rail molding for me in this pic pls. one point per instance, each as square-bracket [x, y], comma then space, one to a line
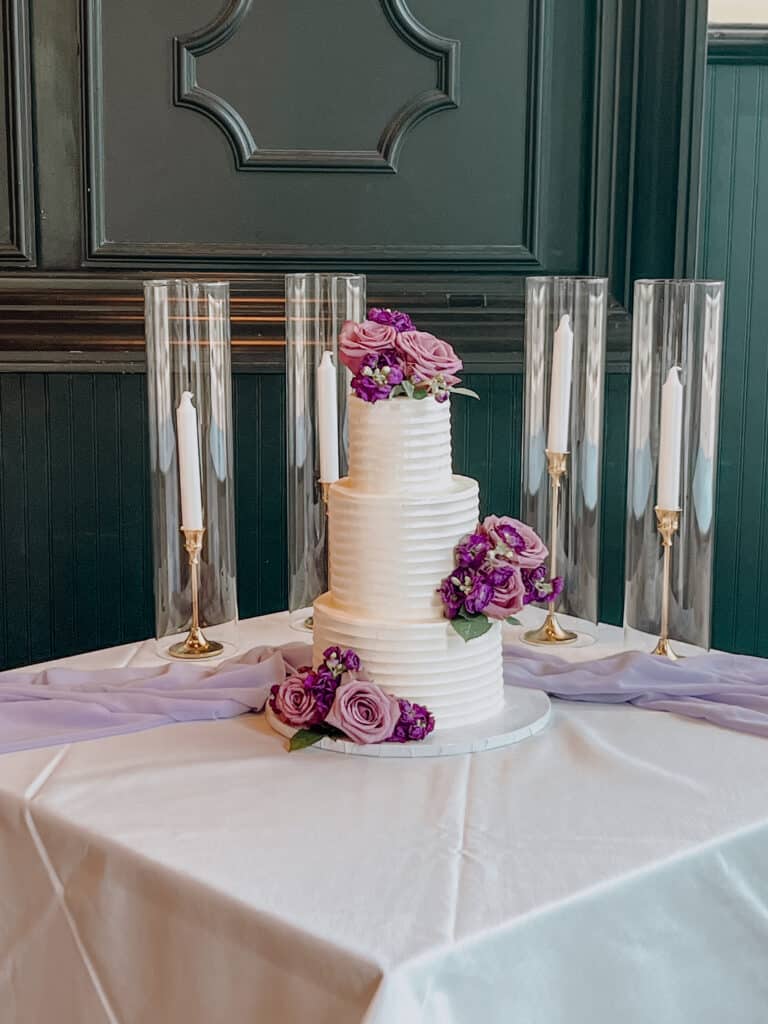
[738, 44]
[249, 156]
[20, 248]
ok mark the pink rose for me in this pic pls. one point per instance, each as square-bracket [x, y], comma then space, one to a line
[515, 542]
[364, 712]
[427, 356]
[358, 340]
[507, 597]
[293, 703]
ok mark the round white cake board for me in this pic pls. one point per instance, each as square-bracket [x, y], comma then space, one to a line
[525, 713]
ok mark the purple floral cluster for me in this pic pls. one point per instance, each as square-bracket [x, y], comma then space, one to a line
[389, 357]
[500, 568]
[336, 698]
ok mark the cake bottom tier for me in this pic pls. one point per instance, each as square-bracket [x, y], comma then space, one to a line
[427, 662]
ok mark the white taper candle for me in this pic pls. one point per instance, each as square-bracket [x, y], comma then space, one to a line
[328, 419]
[189, 464]
[560, 387]
[670, 438]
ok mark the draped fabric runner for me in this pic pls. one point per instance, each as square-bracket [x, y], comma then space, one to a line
[43, 707]
[729, 690]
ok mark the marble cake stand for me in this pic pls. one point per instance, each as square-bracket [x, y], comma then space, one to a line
[525, 713]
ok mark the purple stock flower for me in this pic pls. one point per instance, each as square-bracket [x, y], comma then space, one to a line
[538, 585]
[377, 376]
[322, 685]
[472, 549]
[415, 723]
[465, 588]
[391, 317]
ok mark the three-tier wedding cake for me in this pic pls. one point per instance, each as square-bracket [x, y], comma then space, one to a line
[395, 522]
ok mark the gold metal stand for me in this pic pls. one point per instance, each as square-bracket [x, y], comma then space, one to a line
[667, 523]
[196, 645]
[550, 631]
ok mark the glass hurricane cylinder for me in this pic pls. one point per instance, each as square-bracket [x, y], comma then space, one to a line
[585, 301]
[675, 323]
[316, 306]
[188, 350]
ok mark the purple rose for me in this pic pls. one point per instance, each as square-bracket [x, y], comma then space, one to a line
[472, 549]
[364, 712]
[515, 542]
[415, 723]
[427, 357]
[294, 703]
[508, 597]
[400, 321]
[359, 340]
[377, 376]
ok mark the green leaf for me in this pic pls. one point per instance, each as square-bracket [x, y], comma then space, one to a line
[407, 387]
[465, 391]
[397, 390]
[420, 393]
[513, 621]
[305, 738]
[471, 626]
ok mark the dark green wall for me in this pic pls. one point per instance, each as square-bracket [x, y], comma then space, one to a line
[735, 247]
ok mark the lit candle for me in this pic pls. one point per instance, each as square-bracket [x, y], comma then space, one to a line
[670, 438]
[328, 419]
[189, 464]
[560, 387]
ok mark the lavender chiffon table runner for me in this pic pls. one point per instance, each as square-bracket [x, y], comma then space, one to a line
[44, 707]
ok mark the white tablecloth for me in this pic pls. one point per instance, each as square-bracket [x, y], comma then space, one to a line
[612, 869]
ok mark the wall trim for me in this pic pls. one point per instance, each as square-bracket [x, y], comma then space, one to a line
[79, 323]
[249, 156]
[21, 247]
[104, 253]
[737, 44]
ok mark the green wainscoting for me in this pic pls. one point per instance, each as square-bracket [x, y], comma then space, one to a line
[75, 565]
[735, 247]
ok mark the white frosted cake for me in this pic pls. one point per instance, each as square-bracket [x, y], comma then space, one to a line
[394, 524]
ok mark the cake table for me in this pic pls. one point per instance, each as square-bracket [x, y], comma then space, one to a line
[612, 868]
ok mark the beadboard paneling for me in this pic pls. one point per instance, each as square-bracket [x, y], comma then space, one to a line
[735, 247]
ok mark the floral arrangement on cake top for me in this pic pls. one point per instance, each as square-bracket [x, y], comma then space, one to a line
[337, 699]
[390, 358]
[500, 568]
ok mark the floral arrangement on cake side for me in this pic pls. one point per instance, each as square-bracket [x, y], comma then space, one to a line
[390, 358]
[500, 568]
[337, 699]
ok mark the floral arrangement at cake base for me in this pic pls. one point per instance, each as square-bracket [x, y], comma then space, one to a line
[500, 568]
[338, 700]
[390, 358]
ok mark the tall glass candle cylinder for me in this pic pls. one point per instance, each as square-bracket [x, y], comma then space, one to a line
[316, 306]
[189, 390]
[676, 355]
[565, 329]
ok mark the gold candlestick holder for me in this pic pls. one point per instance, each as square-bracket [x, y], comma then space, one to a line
[667, 523]
[550, 631]
[196, 645]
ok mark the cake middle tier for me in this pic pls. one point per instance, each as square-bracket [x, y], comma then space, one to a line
[389, 552]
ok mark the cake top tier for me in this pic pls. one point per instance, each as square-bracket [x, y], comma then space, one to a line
[400, 445]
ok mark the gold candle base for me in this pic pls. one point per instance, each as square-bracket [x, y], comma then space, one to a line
[196, 645]
[550, 631]
[667, 523]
